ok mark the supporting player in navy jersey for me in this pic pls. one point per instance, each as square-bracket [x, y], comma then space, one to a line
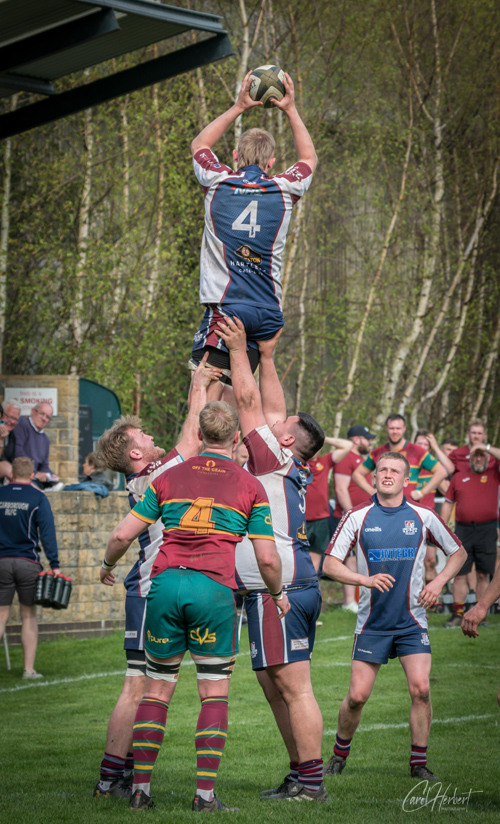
[206, 505]
[127, 449]
[279, 448]
[247, 214]
[390, 534]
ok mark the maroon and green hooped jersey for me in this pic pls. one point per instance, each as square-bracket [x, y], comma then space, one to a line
[206, 505]
[417, 457]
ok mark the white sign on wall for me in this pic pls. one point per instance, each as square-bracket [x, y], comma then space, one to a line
[29, 396]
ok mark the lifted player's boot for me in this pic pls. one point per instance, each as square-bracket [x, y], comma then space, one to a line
[335, 765]
[422, 772]
[282, 790]
[213, 806]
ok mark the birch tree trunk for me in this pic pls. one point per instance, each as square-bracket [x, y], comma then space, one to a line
[4, 233]
[492, 356]
[155, 268]
[302, 334]
[83, 239]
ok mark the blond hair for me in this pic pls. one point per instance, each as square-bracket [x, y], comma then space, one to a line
[218, 422]
[115, 444]
[256, 146]
[22, 468]
[475, 422]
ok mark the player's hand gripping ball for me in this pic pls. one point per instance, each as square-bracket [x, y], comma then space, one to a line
[266, 82]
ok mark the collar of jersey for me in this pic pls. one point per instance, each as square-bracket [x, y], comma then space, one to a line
[214, 455]
[391, 449]
[388, 508]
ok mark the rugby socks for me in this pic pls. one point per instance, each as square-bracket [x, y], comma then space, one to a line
[129, 765]
[458, 609]
[210, 737]
[149, 729]
[342, 746]
[294, 770]
[112, 767]
[311, 774]
[418, 757]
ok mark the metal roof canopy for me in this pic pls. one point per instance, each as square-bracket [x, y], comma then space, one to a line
[44, 40]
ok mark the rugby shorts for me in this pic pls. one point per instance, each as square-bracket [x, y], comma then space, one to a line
[135, 615]
[378, 647]
[274, 641]
[18, 575]
[318, 535]
[480, 541]
[187, 610]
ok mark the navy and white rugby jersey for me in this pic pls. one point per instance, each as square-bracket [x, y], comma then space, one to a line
[391, 540]
[138, 580]
[285, 479]
[246, 220]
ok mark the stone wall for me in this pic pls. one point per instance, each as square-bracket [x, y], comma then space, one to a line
[84, 523]
[63, 428]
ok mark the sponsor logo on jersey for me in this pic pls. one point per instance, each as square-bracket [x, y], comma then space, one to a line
[253, 650]
[294, 171]
[153, 640]
[372, 529]
[377, 556]
[247, 253]
[207, 638]
[246, 188]
[425, 639]
[301, 532]
[465, 479]
[299, 643]
[319, 466]
[484, 479]
[131, 633]
[366, 651]
[409, 528]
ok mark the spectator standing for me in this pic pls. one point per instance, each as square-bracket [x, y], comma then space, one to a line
[10, 417]
[476, 434]
[348, 494]
[475, 492]
[417, 457]
[32, 442]
[26, 519]
[318, 525]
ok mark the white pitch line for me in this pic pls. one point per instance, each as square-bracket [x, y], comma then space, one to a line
[377, 727]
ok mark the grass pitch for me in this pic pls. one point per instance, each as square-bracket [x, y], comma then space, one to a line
[53, 734]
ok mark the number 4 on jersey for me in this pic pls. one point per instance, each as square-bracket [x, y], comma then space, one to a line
[197, 517]
[252, 226]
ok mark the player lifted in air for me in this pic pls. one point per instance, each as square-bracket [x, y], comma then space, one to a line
[247, 214]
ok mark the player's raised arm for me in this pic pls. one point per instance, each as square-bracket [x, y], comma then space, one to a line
[340, 447]
[304, 146]
[359, 477]
[209, 136]
[246, 391]
[271, 390]
[203, 376]
[119, 541]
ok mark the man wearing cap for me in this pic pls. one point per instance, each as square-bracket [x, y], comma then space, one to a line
[349, 494]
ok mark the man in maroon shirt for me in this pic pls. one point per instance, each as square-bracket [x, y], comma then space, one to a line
[475, 492]
[349, 494]
[476, 437]
[317, 506]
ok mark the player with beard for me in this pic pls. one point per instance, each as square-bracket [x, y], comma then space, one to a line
[390, 535]
[475, 493]
[127, 449]
[417, 458]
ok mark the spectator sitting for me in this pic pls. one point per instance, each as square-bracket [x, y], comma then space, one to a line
[94, 471]
[32, 442]
[9, 418]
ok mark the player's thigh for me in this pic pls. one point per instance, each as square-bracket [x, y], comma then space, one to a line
[165, 628]
[25, 575]
[417, 669]
[210, 616]
[275, 641]
[7, 582]
[292, 680]
[363, 675]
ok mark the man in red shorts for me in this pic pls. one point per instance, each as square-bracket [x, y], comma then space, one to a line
[475, 492]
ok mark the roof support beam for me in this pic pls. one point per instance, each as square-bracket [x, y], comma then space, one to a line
[21, 83]
[108, 88]
[57, 39]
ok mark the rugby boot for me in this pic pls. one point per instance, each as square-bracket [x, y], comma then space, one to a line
[422, 772]
[141, 801]
[213, 806]
[335, 765]
[118, 788]
[455, 621]
[300, 793]
[281, 791]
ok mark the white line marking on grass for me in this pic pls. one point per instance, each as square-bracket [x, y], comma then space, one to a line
[377, 727]
[63, 681]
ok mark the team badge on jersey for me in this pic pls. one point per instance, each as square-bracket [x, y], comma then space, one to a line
[409, 528]
[248, 254]
[484, 479]
[253, 650]
[425, 639]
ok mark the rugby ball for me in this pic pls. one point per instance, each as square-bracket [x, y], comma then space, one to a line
[266, 82]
